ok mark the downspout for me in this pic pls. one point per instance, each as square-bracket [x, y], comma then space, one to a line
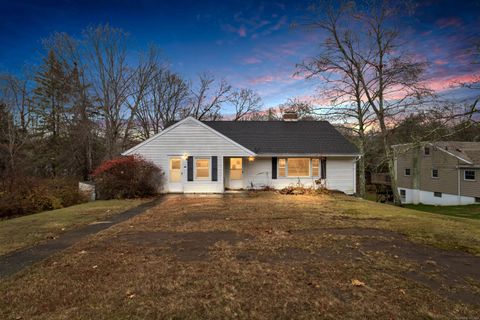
[355, 173]
[458, 183]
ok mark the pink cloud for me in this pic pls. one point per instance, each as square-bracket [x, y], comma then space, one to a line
[262, 79]
[242, 32]
[440, 62]
[251, 60]
[449, 22]
[449, 82]
[281, 77]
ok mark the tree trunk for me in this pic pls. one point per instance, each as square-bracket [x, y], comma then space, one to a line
[361, 172]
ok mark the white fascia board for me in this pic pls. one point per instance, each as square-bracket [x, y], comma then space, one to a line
[307, 155]
[131, 150]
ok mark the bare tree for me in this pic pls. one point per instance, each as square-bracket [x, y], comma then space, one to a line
[207, 99]
[140, 84]
[388, 77]
[111, 77]
[245, 102]
[14, 119]
[164, 104]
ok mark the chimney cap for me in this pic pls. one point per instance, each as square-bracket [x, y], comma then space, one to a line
[290, 116]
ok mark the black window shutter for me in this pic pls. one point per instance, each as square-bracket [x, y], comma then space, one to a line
[214, 168]
[274, 167]
[324, 168]
[190, 168]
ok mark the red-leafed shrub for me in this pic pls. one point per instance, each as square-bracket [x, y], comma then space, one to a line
[127, 177]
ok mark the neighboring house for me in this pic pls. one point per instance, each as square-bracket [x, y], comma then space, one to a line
[214, 156]
[439, 173]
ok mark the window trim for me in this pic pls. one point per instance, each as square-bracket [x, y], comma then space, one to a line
[286, 176]
[296, 177]
[425, 149]
[431, 174]
[209, 169]
[311, 167]
[285, 167]
[409, 172]
[465, 175]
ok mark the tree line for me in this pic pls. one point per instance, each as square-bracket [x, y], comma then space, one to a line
[91, 98]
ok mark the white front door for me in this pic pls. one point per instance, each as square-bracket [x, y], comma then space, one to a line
[236, 173]
[175, 176]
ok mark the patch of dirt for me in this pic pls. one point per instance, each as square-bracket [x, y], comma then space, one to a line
[186, 246]
[295, 255]
[447, 272]
[200, 216]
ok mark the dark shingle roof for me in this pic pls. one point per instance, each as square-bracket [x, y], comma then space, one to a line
[289, 137]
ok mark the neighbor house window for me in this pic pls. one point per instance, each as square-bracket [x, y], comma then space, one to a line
[469, 175]
[202, 168]
[403, 195]
[426, 151]
[477, 199]
[407, 171]
[315, 167]
[437, 194]
[282, 167]
[434, 173]
[298, 167]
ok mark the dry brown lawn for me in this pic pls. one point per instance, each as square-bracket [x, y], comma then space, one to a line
[263, 255]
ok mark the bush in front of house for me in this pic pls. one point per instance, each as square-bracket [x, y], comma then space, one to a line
[31, 195]
[127, 177]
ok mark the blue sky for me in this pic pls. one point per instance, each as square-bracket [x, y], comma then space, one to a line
[249, 43]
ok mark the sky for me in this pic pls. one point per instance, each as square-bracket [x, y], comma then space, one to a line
[251, 44]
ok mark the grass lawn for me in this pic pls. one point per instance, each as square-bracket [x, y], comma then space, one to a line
[29, 230]
[263, 255]
[469, 211]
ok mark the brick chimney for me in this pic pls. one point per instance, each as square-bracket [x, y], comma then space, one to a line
[290, 116]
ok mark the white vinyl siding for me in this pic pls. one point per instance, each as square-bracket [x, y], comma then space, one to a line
[193, 139]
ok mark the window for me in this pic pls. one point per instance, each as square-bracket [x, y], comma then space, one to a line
[426, 151]
[315, 167]
[235, 168]
[298, 167]
[175, 170]
[477, 199]
[469, 175]
[407, 172]
[202, 168]
[437, 194]
[282, 167]
[434, 173]
[403, 195]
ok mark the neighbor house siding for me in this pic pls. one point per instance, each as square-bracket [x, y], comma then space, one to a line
[404, 161]
[193, 139]
[447, 181]
[470, 188]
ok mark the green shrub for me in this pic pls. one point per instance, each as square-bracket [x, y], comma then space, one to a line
[127, 177]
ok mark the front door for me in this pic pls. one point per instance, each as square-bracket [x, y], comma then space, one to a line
[175, 174]
[236, 173]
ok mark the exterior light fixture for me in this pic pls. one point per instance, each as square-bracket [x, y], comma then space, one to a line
[185, 156]
[251, 158]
